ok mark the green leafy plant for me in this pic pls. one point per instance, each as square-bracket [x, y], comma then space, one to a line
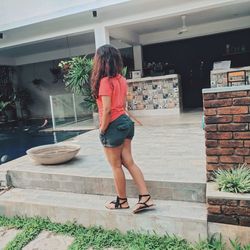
[214, 242]
[235, 180]
[238, 246]
[77, 78]
[124, 71]
[99, 238]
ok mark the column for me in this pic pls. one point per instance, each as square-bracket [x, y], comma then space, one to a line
[137, 51]
[101, 36]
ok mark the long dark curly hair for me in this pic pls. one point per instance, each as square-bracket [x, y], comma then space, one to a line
[107, 62]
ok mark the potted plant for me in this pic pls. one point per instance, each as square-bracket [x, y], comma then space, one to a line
[77, 79]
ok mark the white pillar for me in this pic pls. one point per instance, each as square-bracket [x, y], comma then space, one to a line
[101, 36]
[137, 51]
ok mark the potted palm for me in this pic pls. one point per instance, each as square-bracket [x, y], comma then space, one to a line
[76, 76]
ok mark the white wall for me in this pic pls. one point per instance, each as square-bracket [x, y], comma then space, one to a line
[56, 54]
[40, 94]
[17, 13]
[196, 30]
[62, 53]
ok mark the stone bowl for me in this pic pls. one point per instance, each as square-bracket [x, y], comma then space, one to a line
[53, 153]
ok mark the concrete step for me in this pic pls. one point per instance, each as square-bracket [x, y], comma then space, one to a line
[185, 219]
[68, 182]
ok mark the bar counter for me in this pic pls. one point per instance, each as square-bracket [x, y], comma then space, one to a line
[151, 93]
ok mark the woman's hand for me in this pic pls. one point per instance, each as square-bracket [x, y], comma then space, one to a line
[101, 131]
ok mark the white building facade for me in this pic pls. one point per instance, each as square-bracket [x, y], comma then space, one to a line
[33, 32]
[35, 36]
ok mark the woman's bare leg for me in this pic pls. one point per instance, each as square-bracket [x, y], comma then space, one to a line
[134, 170]
[114, 158]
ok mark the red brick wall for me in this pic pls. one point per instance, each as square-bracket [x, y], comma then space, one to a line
[236, 212]
[227, 126]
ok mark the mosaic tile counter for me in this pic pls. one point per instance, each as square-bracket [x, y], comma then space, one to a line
[219, 78]
[160, 92]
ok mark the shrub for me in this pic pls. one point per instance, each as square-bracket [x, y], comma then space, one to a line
[235, 180]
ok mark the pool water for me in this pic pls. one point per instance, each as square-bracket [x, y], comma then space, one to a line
[15, 142]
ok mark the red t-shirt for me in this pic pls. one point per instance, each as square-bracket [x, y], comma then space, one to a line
[116, 88]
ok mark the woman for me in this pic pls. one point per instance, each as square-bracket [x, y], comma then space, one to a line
[116, 128]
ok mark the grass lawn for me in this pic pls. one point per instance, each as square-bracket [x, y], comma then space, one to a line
[98, 238]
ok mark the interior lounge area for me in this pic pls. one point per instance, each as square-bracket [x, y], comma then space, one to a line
[192, 61]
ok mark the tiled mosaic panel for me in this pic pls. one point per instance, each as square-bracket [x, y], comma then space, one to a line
[220, 80]
[154, 94]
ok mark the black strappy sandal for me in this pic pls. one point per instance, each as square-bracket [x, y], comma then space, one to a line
[144, 206]
[118, 204]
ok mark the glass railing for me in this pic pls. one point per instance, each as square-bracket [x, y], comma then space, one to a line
[69, 112]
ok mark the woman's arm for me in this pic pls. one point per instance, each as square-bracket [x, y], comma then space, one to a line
[106, 104]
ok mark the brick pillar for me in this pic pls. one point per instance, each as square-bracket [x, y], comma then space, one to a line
[227, 126]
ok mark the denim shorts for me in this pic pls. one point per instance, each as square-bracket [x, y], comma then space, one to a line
[118, 130]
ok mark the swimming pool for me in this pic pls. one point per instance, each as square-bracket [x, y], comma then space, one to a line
[15, 142]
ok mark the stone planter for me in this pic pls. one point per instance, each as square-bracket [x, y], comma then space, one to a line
[228, 208]
[53, 154]
[228, 214]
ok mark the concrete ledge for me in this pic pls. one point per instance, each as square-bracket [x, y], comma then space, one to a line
[164, 190]
[152, 78]
[214, 193]
[230, 232]
[184, 219]
[226, 89]
[219, 71]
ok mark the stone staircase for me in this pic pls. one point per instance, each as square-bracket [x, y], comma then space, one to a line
[162, 190]
[78, 190]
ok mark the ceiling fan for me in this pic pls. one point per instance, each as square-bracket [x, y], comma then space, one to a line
[184, 27]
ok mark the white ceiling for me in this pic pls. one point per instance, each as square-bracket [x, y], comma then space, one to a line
[197, 18]
[50, 45]
[128, 11]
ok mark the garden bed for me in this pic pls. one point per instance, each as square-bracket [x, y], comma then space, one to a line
[228, 208]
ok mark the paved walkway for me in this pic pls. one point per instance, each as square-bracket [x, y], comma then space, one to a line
[165, 148]
[44, 241]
